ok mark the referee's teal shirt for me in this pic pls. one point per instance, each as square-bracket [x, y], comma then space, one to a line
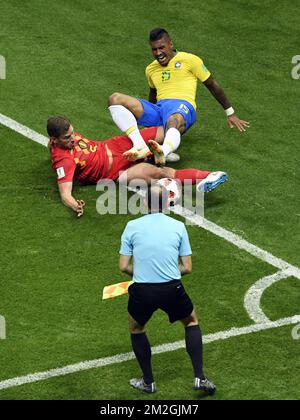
[155, 242]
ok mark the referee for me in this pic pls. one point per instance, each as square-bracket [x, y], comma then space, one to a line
[156, 243]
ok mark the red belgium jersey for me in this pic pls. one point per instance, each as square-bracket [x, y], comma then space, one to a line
[88, 161]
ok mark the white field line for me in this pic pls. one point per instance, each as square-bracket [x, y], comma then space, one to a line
[196, 220]
[238, 241]
[254, 295]
[22, 129]
[120, 358]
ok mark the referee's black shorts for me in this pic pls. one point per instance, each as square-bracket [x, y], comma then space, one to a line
[146, 298]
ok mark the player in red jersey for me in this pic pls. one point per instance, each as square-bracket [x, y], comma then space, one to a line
[75, 157]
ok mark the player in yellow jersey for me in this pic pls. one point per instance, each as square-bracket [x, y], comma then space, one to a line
[172, 79]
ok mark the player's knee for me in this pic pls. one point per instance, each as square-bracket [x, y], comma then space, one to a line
[176, 121]
[166, 172]
[159, 173]
[116, 99]
[173, 121]
[152, 173]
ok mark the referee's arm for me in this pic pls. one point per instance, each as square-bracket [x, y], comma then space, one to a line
[185, 265]
[126, 252]
[126, 265]
[185, 253]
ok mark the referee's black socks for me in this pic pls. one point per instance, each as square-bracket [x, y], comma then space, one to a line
[194, 347]
[142, 350]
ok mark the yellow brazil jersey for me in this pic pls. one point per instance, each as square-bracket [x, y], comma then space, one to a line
[177, 80]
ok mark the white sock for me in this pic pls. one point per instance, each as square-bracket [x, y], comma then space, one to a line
[172, 141]
[125, 120]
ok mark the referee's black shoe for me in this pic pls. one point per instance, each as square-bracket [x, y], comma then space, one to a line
[142, 386]
[205, 385]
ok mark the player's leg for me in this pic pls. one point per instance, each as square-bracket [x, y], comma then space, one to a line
[206, 181]
[129, 102]
[176, 126]
[148, 134]
[125, 110]
[176, 121]
[133, 154]
[160, 135]
[145, 172]
[120, 144]
[177, 117]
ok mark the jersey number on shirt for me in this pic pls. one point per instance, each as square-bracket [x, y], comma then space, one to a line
[184, 108]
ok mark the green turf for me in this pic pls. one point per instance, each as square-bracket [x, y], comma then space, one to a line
[68, 58]
[240, 366]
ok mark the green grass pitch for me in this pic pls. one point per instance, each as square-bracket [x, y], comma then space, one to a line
[67, 57]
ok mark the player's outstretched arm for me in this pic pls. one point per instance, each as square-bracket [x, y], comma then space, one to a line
[65, 191]
[232, 119]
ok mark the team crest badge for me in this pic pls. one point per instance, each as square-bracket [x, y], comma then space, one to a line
[177, 65]
[82, 144]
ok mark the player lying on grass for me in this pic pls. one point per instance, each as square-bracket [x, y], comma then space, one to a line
[172, 78]
[74, 157]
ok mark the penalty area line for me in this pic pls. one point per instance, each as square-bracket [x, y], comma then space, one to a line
[120, 358]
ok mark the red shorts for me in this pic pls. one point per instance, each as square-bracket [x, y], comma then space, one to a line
[119, 145]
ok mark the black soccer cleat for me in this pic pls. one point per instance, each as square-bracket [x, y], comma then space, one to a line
[205, 385]
[142, 386]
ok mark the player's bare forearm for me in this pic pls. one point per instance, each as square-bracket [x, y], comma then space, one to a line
[65, 190]
[232, 119]
[71, 203]
[216, 90]
[153, 96]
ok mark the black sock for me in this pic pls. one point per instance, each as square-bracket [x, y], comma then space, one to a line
[194, 347]
[142, 351]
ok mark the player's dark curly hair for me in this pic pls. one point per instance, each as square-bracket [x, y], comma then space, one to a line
[57, 125]
[157, 34]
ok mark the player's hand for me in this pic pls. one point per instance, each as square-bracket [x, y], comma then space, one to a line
[80, 208]
[234, 121]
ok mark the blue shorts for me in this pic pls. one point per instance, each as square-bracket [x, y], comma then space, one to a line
[158, 114]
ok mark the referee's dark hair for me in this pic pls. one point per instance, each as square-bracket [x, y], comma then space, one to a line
[157, 198]
[157, 34]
